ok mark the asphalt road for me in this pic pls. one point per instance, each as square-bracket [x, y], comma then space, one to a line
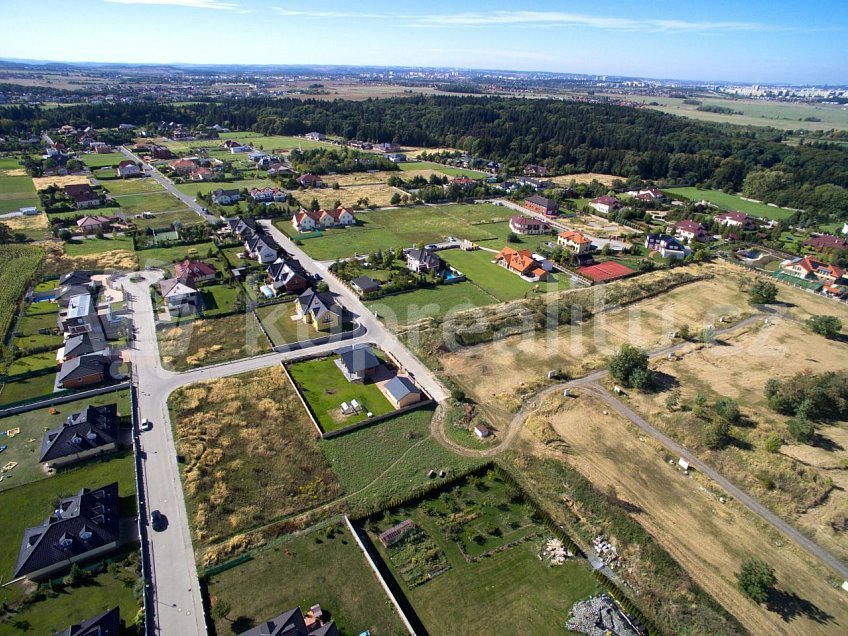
[170, 187]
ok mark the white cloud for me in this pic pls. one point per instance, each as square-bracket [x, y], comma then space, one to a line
[193, 4]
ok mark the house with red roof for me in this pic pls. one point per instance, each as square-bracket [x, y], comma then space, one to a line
[183, 166]
[738, 220]
[308, 220]
[809, 268]
[310, 181]
[197, 270]
[267, 195]
[691, 231]
[826, 242]
[575, 242]
[201, 174]
[523, 263]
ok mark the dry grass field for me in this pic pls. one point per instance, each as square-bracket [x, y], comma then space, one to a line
[585, 177]
[202, 342]
[708, 538]
[577, 349]
[57, 262]
[251, 454]
[35, 227]
[42, 183]
[378, 194]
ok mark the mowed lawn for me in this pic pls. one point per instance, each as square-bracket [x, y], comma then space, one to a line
[105, 160]
[41, 315]
[509, 592]
[92, 245]
[325, 388]
[167, 256]
[732, 202]
[280, 323]
[132, 204]
[403, 227]
[366, 461]
[140, 185]
[432, 302]
[496, 280]
[205, 188]
[17, 192]
[322, 566]
[448, 170]
[25, 447]
[30, 504]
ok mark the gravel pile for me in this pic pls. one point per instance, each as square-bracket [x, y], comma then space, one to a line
[598, 616]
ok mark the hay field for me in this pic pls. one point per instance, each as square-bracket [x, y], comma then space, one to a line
[35, 227]
[707, 538]
[42, 183]
[585, 177]
[378, 194]
[251, 455]
[58, 262]
[582, 347]
[199, 343]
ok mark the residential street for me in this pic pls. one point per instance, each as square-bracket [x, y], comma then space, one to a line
[170, 187]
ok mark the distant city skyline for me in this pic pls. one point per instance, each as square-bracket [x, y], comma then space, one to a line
[756, 41]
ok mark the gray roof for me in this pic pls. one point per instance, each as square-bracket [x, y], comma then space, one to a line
[93, 427]
[290, 623]
[365, 283]
[79, 345]
[318, 303]
[359, 358]
[78, 525]
[400, 386]
[424, 256]
[106, 624]
[82, 366]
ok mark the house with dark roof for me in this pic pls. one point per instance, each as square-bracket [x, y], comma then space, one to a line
[320, 310]
[358, 362]
[286, 276]
[80, 528]
[521, 224]
[85, 370]
[79, 316]
[364, 285]
[423, 261]
[292, 623]
[401, 391]
[542, 205]
[92, 431]
[310, 181]
[106, 624]
[128, 169]
[79, 345]
[179, 294]
[82, 195]
[667, 246]
[827, 242]
[262, 248]
[226, 197]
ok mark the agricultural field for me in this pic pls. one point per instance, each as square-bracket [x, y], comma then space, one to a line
[579, 348]
[282, 325]
[381, 229]
[709, 539]
[431, 166]
[25, 447]
[199, 343]
[313, 561]
[105, 160]
[250, 454]
[510, 590]
[17, 192]
[391, 459]
[42, 183]
[18, 264]
[324, 388]
[732, 202]
[429, 302]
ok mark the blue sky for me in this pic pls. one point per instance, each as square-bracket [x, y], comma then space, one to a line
[737, 40]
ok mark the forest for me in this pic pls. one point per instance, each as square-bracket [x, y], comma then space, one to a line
[566, 137]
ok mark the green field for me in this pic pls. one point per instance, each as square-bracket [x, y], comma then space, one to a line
[32, 362]
[207, 187]
[42, 315]
[166, 256]
[33, 503]
[25, 389]
[132, 204]
[391, 459]
[278, 322]
[107, 160]
[732, 202]
[219, 299]
[17, 192]
[84, 246]
[434, 302]
[494, 279]
[25, 447]
[120, 187]
[324, 388]
[438, 167]
[18, 264]
[509, 591]
[323, 566]
[164, 220]
[402, 227]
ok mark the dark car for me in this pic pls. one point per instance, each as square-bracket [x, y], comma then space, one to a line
[157, 520]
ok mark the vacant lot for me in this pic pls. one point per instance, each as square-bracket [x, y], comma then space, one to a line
[58, 262]
[35, 227]
[430, 166]
[497, 281]
[584, 346]
[585, 177]
[155, 202]
[282, 324]
[93, 245]
[167, 256]
[707, 538]
[16, 192]
[122, 187]
[323, 566]
[732, 202]
[106, 159]
[200, 343]
[42, 183]
[250, 453]
[325, 388]
[509, 591]
[432, 302]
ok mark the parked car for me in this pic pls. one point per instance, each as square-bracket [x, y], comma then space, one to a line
[146, 424]
[157, 520]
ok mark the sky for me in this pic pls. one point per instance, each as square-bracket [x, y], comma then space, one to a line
[751, 41]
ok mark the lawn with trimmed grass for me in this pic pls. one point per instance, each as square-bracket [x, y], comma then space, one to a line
[430, 302]
[84, 246]
[33, 424]
[202, 342]
[25, 389]
[164, 220]
[501, 232]
[218, 299]
[102, 160]
[368, 462]
[33, 362]
[17, 192]
[510, 591]
[312, 563]
[141, 185]
[450, 171]
[732, 202]
[32, 503]
[167, 256]
[41, 315]
[283, 326]
[251, 454]
[132, 204]
[210, 186]
[324, 388]
[497, 280]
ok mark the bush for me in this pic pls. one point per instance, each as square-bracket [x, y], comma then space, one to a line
[755, 579]
[827, 326]
[727, 409]
[773, 443]
[802, 429]
[764, 292]
[716, 434]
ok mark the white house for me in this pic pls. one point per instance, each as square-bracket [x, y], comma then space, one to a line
[262, 249]
[178, 293]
